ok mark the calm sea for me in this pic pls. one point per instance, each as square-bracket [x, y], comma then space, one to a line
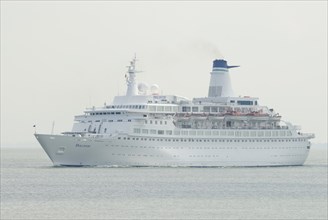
[31, 188]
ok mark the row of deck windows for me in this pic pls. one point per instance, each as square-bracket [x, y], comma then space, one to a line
[205, 155]
[107, 113]
[159, 108]
[214, 133]
[152, 108]
[127, 106]
[210, 140]
[156, 122]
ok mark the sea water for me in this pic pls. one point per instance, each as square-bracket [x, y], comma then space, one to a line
[31, 188]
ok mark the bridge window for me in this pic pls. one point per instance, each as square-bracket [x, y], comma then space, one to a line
[240, 102]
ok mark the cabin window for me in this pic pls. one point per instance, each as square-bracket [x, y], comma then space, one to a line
[206, 109]
[152, 108]
[200, 133]
[176, 132]
[260, 134]
[185, 109]
[214, 109]
[168, 108]
[215, 132]
[168, 132]
[160, 108]
[237, 133]
[145, 131]
[275, 133]
[152, 131]
[245, 133]
[160, 131]
[136, 130]
[194, 109]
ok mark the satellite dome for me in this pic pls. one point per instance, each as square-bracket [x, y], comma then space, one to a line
[154, 89]
[143, 88]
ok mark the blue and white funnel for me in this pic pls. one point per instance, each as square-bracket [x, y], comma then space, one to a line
[220, 83]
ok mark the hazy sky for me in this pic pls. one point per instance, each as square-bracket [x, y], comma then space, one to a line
[59, 57]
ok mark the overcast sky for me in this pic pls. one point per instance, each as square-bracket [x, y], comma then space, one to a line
[59, 57]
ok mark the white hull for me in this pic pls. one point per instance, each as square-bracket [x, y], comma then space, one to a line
[206, 152]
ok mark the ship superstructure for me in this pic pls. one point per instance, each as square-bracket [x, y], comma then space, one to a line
[145, 128]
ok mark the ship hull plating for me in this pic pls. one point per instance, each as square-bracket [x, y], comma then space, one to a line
[137, 151]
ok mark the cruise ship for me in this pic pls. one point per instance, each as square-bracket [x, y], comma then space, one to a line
[146, 128]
